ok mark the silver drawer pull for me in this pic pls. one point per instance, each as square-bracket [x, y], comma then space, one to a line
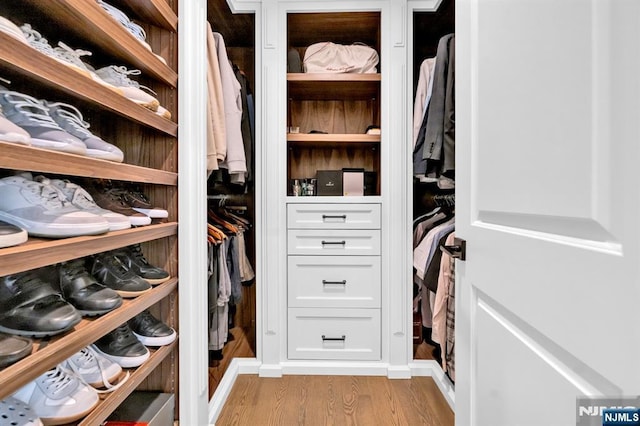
[340, 339]
[334, 216]
[333, 243]
[343, 282]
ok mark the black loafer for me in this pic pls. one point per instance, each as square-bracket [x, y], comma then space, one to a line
[86, 294]
[29, 306]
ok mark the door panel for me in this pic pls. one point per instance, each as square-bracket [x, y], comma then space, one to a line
[547, 198]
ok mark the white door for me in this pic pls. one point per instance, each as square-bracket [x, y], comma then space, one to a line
[548, 199]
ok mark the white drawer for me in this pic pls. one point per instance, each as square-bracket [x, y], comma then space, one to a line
[364, 242]
[333, 216]
[334, 281]
[344, 334]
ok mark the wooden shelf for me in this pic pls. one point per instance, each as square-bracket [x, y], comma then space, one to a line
[304, 86]
[155, 12]
[61, 347]
[21, 157]
[94, 24]
[38, 66]
[113, 400]
[39, 252]
[333, 138]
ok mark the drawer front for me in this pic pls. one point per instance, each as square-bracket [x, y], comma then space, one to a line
[363, 242]
[334, 281]
[333, 216]
[334, 334]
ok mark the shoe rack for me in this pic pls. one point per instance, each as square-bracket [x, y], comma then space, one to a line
[149, 142]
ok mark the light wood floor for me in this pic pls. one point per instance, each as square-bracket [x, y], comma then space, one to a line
[335, 400]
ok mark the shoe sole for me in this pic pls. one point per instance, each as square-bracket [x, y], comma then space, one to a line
[52, 421]
[125, 361]
[58, 146]
[104, 155]
[156, 341]
[156, 281]
[15, 138]
[139, 220]
[14, 239]
[153, 106]
[36, 334]
[152, 213]
[117, 226]
[90, 313]
[38, 229]
[131, 294]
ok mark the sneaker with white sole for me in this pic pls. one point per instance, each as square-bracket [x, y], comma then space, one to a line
[136, 30]
[33, 116]
[11, 29]
[11, 235]
[122, 346]
[16, 413]
[58, 397]
[43, 210]
[133, 196]
[95, 369]
[109, 199]
[80, 198]
[150, 330]
[119, 76]
[70, 119]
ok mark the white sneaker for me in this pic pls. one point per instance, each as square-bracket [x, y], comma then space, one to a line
[82, 200]
[132, 90]
[15, 412]
[70, 119]
[43, 210]
[33, 116]
[58, 397]
[11, 29]
[94, 369]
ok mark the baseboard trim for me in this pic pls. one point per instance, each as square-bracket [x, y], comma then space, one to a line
[433, 369]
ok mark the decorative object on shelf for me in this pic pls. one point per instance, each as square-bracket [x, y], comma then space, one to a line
[328, 57]
[329, 182]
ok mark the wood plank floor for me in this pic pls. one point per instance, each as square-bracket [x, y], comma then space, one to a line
[335, 400]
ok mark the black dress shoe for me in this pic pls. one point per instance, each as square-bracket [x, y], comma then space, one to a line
[123, 347]
[150, 330]
[133, 259]
[13, 349]
[108, 270]
[86, 294]
[29, 306]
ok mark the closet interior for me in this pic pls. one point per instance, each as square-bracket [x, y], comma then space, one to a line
[233, 203]
[433, 196]
[148, 140]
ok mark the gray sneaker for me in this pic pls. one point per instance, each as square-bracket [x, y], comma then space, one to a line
[136, 30]
[119, 76]
[82, 200]
[70, 119]
[33, 116]
[42, 210]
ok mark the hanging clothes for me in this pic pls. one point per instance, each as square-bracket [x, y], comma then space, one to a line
[216, 127]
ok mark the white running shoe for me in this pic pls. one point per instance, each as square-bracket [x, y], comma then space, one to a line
[132, 90]
[82, 200]
[11, 29]
[58, 397]
[43, 210]
[70, 119]
[33, 116]
[95, 370]
[136, 30]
